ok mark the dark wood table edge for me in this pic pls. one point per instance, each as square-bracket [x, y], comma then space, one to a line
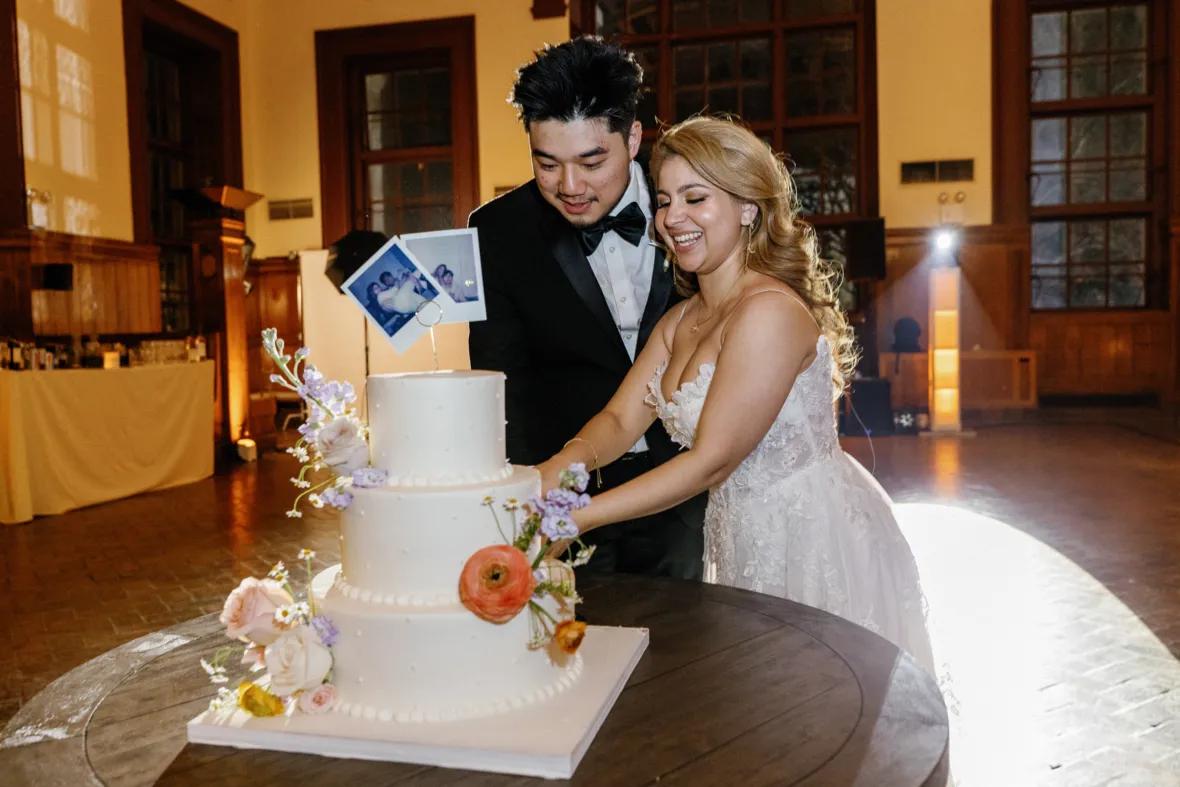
[53, 724]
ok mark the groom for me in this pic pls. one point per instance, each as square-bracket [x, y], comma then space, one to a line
[574, 287]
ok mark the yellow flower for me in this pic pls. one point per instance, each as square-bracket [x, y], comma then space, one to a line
[568, 635]
[257, 701]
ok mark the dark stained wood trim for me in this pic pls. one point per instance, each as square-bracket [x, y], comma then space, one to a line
[64, 247]
[1010, 112]
[13, 210]
[334, 50]
[1172, 245]
[864, 23]
[870, 140]
[548, 9]
[197, 27]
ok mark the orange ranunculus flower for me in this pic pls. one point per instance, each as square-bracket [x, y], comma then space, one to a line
[568, 635]
[257, 701]
[497, 582]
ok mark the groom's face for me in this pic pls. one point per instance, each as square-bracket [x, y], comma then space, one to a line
[581, 166]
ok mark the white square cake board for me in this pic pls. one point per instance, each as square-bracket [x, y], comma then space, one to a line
[546, 740]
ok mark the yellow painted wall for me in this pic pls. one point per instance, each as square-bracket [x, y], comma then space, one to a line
[76, 138]
[935, 92]
[282, 161]
[74, 113]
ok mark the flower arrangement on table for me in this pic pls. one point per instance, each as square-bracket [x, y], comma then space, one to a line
[283, 633]
[499, 581]
[332, 438]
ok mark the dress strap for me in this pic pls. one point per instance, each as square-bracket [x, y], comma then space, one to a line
[793, 298]
[683, 309]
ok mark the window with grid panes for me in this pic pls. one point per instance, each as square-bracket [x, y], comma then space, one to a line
[1094, 115]
[792, 70]
[403, 156]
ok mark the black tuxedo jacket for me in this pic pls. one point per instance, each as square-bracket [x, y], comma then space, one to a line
[550, 331]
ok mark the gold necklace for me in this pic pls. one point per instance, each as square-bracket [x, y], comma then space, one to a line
[696, 324]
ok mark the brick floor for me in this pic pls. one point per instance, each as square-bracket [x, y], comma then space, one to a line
[1050, 554]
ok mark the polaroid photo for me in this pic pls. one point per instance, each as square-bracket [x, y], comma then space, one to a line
[451, 257]
[397, 295]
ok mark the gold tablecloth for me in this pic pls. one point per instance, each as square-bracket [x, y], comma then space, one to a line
[75, 437]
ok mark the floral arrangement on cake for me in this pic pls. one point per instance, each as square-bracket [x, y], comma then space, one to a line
[332, 438]
[283, 633]
[500, 581]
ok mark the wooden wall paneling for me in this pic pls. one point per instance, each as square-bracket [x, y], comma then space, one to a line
[993, 261]
[1102, 352]
[16, 318]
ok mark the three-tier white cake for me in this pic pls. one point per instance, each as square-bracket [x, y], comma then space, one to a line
[408, 650]
[418, 676]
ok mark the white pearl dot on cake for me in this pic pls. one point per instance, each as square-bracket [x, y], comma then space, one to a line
[405, 550]
[360, 678]
[385, 715]
[358, 632]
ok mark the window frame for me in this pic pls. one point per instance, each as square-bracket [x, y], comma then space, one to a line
[862, 20]
[342, 199]
[1015, 112]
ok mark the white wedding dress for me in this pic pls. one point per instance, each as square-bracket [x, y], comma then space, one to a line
[802, 520]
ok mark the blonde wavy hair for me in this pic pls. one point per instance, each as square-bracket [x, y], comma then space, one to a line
[781, 245]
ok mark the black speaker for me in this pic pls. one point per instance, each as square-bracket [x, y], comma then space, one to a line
[54, 276]
[868, 409]
[864, 250]
[349, 253]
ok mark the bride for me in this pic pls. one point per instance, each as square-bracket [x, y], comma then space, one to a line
[744, 376]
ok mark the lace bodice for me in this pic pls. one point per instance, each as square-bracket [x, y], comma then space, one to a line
[799, 519]
[803, 433]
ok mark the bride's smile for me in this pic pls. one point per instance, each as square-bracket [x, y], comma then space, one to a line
[702, 225]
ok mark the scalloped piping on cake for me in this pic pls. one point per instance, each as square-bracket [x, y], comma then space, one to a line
[409, 482]
[371, 713]
[393, 599]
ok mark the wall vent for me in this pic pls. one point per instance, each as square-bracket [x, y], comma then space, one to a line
[949, 171]
[290, 209]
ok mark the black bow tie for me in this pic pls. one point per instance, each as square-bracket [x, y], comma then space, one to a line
[629, 224]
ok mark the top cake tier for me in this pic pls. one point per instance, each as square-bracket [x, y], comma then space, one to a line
[438, 428]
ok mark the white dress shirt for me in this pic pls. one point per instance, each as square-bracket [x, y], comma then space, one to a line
[624, 271]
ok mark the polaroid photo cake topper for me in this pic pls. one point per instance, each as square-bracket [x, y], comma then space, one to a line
[452, 259]
[398, 295]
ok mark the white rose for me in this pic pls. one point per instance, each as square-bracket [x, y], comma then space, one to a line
[296, 661]
[341, 446]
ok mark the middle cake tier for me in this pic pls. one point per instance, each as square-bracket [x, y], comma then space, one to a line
[407, 547]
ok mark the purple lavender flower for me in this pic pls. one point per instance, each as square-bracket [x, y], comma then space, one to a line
[277, 378]
[365, 477]
[557, 527]
[302, 353]
[331, 496]
[325, 629]
[312, 375]
[576, 477]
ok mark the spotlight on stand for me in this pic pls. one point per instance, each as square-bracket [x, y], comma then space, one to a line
[349, 253]
[944, 331]
[946, 239]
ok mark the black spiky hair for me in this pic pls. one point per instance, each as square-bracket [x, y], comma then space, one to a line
[580, 79]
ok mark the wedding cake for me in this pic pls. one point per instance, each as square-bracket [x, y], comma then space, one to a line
[444, 612]
[408, 650]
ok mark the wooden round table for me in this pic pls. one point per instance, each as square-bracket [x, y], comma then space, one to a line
[735, 688]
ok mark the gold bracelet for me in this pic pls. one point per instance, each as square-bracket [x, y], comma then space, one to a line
[597, 469]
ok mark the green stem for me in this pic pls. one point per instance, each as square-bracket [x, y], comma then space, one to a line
[497, 520]
[542, 611]
[307, 492]
[310, 594]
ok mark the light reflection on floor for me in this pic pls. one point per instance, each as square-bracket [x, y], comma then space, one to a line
[1040, 694]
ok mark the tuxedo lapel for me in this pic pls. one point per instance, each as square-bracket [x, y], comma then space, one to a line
[657, 298]
[563, 242]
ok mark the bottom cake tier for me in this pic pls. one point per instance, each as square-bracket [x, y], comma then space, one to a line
[431, 664]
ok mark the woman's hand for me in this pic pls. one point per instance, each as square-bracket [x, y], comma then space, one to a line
[558, 548]
[550, 475]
